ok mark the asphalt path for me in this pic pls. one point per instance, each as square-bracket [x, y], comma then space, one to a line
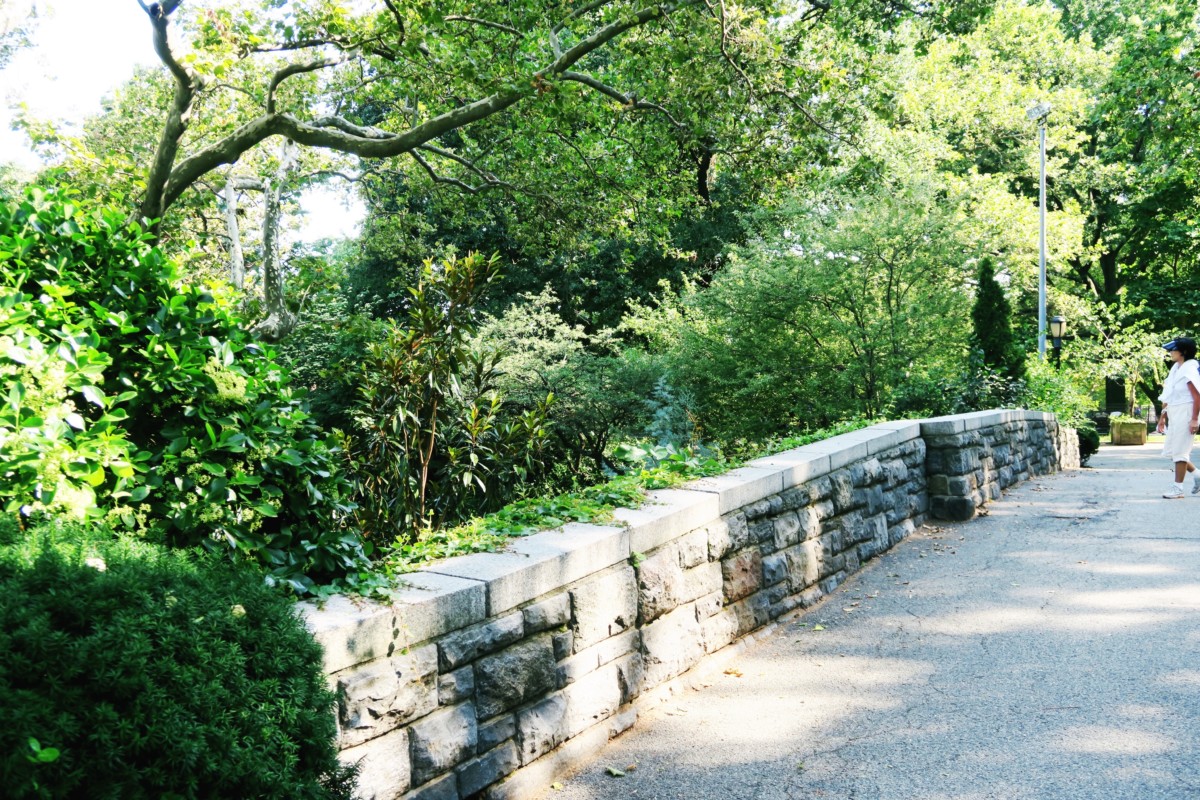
[1050, 649]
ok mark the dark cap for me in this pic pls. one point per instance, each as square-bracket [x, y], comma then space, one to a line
[1181, 343]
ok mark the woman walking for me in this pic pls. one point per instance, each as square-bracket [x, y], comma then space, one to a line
[1180, 405]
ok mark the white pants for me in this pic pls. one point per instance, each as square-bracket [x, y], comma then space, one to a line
[1178, 444]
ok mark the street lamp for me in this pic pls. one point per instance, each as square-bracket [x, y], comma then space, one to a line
[1038, 113]
[1058, 327]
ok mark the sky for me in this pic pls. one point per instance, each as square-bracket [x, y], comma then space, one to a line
[82, 50]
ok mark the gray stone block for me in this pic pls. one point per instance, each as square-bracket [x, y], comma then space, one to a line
[547, 614]
[775, 569]
[752, 613]
[787, 530]
[603, 606]
[378, 697]
[445, 788]
[670, 646]
[719, 630]
[742, 574]
[354, 631]
[384, 767]
[514, 676]
[491, 767]
[660, 584]
[456, 686]
[564, 644]
[804, 563]
[468, 644]
[728, 534]
[740, 487]
[843, 491]
[591, 699]
[667, 512]
[842, 451]
[441, 741]
[598, 655]
[693, 548]
[542, 727]
[493, 732]
[350, 632]
[953, 509]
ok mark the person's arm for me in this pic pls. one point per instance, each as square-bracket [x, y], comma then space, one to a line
[1162, 419]
[1195, 405]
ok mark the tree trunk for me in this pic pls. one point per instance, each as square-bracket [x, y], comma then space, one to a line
[279, 321]
[237, 262]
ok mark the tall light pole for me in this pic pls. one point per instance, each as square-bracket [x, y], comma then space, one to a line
[1039, 113]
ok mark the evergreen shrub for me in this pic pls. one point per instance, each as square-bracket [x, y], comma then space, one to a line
[134, 671]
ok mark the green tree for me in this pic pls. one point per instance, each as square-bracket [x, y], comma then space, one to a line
[992, 325]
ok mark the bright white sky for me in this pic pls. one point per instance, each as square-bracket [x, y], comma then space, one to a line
[82, 50]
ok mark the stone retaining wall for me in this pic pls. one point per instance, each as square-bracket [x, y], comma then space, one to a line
[491, 674]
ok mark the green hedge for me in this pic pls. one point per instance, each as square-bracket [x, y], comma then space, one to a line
[132, 671]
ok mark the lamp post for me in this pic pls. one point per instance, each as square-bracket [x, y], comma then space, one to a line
[1058, 327]
[1038, 113]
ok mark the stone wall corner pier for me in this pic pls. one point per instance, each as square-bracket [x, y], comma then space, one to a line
[491, 674]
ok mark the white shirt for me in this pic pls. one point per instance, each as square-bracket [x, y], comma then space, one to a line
[1175, 390]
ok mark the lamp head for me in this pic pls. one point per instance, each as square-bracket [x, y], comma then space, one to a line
[1040, 110]
[1058, 327]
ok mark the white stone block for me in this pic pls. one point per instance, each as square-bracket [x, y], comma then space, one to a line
[536, 565]
[668, 514]
[385, 769]
[740, 487]
[797, 466]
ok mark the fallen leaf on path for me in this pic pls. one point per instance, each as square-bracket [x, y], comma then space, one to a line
[737, 673]
[556, 786]
[818, 627]
[616, 773]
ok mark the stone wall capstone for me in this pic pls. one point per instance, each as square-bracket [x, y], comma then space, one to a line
[490, 674]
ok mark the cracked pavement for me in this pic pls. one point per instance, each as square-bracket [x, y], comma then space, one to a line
[1050, 649]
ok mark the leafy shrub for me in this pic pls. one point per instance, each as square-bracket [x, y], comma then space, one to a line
[166, 416]
[599, 387]
[433, 442]
[132, 671]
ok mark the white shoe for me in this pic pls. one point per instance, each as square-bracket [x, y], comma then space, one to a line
[1174, 493]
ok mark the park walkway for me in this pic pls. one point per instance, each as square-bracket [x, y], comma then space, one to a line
[1050, 649]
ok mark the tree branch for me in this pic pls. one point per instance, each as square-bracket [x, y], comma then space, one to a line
[629, 101]
[297, 69]
[186, 86]
[500, 26]
[333, 133]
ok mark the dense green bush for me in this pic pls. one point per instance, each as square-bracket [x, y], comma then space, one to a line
[600, 389]
[132, 671]
[137, 397]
